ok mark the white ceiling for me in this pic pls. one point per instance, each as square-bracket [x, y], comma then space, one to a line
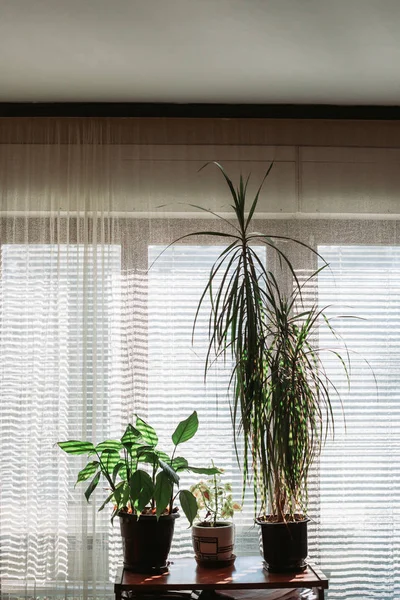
[234, 51]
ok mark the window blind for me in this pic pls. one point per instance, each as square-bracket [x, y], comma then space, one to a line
[359, 535]
[59, 348]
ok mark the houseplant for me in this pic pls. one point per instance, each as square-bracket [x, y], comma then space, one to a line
[144, 499]
[213, 535]
[281, 396]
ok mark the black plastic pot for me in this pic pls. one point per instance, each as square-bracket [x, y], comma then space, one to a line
[146, 542]
[284, 545]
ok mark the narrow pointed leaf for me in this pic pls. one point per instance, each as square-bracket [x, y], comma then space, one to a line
[92, 486]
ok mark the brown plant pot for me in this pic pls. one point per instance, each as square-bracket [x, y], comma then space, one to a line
[284, 545]
[146, 541]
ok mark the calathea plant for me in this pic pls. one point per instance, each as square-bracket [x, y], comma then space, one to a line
[141, 478]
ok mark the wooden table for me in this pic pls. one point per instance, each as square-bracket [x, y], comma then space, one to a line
[246, 574]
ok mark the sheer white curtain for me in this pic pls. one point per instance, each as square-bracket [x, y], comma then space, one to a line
[89, 336]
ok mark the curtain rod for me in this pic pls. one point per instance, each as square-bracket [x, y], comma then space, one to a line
[198, 110]
[189, 215]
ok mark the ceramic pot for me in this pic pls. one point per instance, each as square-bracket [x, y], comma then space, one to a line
[213, 543]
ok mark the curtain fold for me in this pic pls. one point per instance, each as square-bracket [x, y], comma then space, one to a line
[89, 336]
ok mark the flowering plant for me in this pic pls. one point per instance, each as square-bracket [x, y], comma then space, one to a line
[215, 499]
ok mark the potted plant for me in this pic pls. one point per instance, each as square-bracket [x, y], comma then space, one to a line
[281, 396]
[143, 487]
[213, 535]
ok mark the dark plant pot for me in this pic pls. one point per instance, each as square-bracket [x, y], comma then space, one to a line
[146, 542]
[284, 545]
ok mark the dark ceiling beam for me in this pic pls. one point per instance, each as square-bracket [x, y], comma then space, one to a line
[223, 111]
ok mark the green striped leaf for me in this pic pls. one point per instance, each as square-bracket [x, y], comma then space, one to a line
[76, 447]
[148, 433]
[87, 471]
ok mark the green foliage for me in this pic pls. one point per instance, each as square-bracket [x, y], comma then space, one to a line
[214, 499]
[281, 395]
[133, 489]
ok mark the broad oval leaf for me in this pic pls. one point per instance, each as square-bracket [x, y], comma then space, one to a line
[179, 463]
[189, 505]
[186, 429]
[164, 456]
[162, 492]
[76, 447]
[141, 489]
[148, 455]
[169, 471]
[109, 445]
[87, 471]
[148, 433]
[92, 486]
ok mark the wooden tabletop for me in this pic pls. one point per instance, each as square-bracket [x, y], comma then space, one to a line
[246, 574]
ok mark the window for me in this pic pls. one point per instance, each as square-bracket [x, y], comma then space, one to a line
[360, 470]
[59, 348]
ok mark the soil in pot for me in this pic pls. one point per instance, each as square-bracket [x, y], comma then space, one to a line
[146, 541]
[284, 544]
[212, 543]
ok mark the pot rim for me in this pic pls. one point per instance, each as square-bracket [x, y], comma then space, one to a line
[220, 525]
[260, 521]
[134, 517]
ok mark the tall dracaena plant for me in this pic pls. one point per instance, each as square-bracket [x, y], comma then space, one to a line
[242, 292]
[295, 412]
